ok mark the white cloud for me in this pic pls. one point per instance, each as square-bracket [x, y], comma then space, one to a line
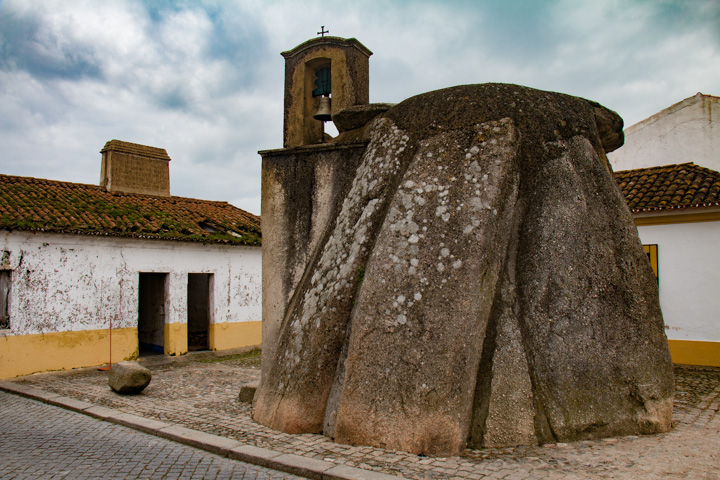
[204, 79]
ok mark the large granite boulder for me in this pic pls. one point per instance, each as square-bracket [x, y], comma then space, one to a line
[128, 378]
[482, 284]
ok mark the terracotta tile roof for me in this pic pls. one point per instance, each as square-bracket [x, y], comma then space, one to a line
[34, 204]
[669, 187]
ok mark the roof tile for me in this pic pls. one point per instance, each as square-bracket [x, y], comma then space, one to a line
[684, 185]
[34, 204]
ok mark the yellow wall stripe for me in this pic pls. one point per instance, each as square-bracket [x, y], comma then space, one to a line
[26, 354]
[692, 352]
[234, 335]
[176, 339]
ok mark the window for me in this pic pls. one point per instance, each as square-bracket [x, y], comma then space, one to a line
[5, 277]
[652, 253]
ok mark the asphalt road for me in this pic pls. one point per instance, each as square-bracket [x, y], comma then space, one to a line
[39, 441]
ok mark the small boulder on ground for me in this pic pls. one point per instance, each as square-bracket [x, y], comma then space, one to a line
[247, 391]
[128, 378]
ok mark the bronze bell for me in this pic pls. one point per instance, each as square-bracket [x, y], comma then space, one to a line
[323, 114]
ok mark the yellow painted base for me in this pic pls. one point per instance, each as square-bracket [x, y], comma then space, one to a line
[234, 335]
[691, 352]
[176, 339]
[26, 354]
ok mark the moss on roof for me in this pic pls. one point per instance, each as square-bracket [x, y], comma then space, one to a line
[33, 204]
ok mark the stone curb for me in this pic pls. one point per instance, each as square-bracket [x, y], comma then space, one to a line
[225, 447]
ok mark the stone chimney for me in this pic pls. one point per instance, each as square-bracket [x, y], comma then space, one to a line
[132, 168]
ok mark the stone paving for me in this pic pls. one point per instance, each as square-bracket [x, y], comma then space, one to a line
[42, 441]
[200, 392]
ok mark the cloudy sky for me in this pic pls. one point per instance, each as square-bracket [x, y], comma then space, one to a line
[204, 79]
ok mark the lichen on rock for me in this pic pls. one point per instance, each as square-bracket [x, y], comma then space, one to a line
[504, 298]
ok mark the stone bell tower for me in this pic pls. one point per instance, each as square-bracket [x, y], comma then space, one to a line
[346, 60]
[303, 182]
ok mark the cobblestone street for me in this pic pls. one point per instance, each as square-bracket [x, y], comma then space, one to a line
[41, 441]
[200, 392]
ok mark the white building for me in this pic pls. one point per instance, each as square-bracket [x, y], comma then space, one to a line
[685, 132]
[667, 171]
[92, 274]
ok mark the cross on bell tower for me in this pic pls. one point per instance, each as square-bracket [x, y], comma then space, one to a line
[322, 31]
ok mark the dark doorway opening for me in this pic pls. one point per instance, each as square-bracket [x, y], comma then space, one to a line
[198, 310]
[151, 313]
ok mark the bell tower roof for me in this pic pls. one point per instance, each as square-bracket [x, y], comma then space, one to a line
[336, 41]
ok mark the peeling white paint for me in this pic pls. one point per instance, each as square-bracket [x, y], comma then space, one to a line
[74, 282]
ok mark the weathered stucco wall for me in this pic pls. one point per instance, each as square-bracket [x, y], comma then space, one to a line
[300, 191]
[688, 131]
[72, 283]
[688, 256]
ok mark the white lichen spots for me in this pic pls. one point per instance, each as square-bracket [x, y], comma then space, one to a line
[474, 150]
[445, 252]
[401, 319]
[417, 296]
[413, 239]
[409, 184]
[445, 217]
[401, 299]
[494, 211]
[468, 229]
[335, 270]
[414, 262]
[440, 267]
[429, 154]
[412, 271]
[457, 264]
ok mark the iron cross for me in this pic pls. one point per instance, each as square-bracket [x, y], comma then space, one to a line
[323, 31]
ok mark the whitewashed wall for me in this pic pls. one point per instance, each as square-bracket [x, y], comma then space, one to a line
[74, 282]
[689, 271]
[688, 131]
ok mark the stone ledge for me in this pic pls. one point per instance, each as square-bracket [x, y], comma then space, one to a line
[202, 440]
[136, 422]
[343, 472]
[254, 455]
[297, 465]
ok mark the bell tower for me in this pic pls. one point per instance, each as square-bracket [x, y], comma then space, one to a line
[322, 76]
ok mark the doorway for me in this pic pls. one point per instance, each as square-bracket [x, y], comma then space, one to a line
[198, 310]
[151, 313]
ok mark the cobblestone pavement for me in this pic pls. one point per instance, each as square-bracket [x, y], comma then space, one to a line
[201, 393]
[39, 441]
